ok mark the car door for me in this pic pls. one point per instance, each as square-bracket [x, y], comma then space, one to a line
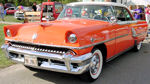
[7, 10]
[11, 10]
[123, 38]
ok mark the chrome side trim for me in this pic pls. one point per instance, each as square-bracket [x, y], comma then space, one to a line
[126, 22]
[122, 22]
[131, 22]
[78, 48]
[140, 34]
[133, 32]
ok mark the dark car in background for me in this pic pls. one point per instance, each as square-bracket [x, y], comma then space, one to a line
[7, 5]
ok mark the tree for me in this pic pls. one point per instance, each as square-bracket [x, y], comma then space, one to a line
[29, 2]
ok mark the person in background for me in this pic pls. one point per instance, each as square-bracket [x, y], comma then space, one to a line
[131, 9]
[137, 13]
[147, 13]
[34, 8]
[39, 7]
[2, 11]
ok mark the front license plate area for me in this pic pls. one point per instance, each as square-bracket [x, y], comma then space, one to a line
[30, 60]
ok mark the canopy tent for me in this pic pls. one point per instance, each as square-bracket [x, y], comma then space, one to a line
[138, 2]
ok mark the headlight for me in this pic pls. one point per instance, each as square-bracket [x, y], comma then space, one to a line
[72, 38]
[8, 33]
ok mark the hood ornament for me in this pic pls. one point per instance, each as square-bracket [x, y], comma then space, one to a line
[34, 36]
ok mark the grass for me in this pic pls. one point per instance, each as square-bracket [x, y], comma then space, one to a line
[4, 62]
[10, 18]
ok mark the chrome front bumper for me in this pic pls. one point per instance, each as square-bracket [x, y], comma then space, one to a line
[83, 61]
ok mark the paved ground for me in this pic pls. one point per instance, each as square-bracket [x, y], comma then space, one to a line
[129, 68]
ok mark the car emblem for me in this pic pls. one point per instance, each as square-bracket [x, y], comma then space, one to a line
[34, 36]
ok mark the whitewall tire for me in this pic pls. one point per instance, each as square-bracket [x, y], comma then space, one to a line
[95, 67]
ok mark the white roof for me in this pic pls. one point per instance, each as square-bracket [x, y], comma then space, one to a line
[96, 3]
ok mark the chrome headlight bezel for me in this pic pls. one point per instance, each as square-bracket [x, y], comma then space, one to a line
[8, 33]
[72, 38]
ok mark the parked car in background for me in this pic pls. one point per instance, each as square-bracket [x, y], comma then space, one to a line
[10, 10]
[19, 14]
[7, 5]
[50, 10]
[79, 41]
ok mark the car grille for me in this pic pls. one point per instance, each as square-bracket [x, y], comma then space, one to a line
[39, 48]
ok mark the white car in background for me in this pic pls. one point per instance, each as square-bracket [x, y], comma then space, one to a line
[19, 14]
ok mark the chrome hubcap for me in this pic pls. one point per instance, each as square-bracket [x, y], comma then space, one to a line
[95, 64]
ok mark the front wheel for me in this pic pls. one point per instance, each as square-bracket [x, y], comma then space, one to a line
[95, 67]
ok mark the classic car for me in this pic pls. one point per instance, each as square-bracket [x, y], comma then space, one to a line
[19, 14]
[7, 5]
[84, 36]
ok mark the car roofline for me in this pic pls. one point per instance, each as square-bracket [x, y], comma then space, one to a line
[96, 3]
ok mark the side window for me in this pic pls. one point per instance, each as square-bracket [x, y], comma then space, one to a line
[11, 8]
[58, 8]
[122, 14]
[127, 15]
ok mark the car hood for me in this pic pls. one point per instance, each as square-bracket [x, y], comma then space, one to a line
[54, 32]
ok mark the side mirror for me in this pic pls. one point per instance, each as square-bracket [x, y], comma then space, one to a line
[113, 19]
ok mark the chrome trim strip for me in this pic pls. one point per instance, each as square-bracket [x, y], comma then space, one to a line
[133, 32]
[141, 24]
[126, 22]
[121, 28]
[122, 22]
[131, 22]
[78, 48]
[140, 34]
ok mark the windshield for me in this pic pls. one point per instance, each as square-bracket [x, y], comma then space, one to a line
[96, 12]
[27, 9]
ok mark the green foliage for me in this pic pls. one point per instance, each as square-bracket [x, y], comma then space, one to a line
[30, 2]
[4, 62]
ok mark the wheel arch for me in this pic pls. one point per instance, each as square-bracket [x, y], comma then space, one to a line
[103, 49]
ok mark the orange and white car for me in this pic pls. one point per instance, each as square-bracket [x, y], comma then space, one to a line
[85, 35]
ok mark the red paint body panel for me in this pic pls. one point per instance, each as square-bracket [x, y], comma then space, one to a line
[11, 11]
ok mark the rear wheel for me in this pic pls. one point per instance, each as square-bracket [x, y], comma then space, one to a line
[95, 67]
[138, 46]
